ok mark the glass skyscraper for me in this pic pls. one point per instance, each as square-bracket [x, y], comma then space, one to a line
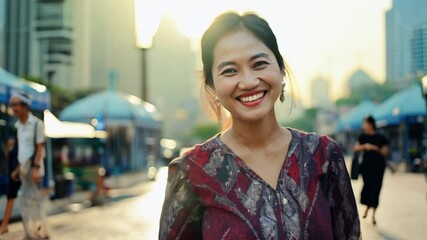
[2, 18]
[19, 36]
[406, 41]
[38, 39]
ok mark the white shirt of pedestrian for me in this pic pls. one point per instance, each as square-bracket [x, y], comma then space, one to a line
[26, 138]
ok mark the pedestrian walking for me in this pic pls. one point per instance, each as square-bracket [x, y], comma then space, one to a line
[30, 170]
[255, 179]
[10, 153]
[375, 149]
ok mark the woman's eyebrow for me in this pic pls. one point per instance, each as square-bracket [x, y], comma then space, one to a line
[223, 64]
[259, 55]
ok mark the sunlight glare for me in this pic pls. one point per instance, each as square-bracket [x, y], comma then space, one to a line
[148, 14]
[194, 20]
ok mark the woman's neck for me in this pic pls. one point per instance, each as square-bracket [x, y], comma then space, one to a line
[370, 132]
[254, 134]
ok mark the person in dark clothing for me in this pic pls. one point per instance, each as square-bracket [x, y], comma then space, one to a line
[10, 153]
[375, 148]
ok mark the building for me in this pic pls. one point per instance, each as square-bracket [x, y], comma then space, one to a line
[360, 80]
[406, 51]
[38, 40]
[54, 32]
[2, 19]
[319, 93]
[19, 36]
[73, 44]
[105, 43]
[173, 80]
[419, 51]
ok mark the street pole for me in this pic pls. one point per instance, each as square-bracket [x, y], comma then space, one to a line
[144, 84]
[424, 153]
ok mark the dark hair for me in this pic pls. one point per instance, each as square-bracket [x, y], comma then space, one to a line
[230, 22]
[371, 120]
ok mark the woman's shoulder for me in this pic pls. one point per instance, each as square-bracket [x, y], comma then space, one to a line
[321, 149]
[313, 140]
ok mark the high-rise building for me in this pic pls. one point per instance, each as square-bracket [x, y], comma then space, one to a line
[406, 51]
[419, 51]
[105, 43]
[55, 41]
[174, 83]
[20, 36]
[38, 40]
[2, 19]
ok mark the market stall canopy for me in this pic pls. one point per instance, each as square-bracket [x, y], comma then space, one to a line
[111, 107]
[408, 103]
[54, 128]
[353, 120]
[40, 96]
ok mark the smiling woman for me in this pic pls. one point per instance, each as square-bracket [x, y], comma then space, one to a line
[256, 179]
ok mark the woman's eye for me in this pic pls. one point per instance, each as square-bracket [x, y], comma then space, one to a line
[229, 72]
[260, 64]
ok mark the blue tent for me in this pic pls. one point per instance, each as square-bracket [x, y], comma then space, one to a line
[406, 104]
[40, 96]
[111, 110]
[353, 120]
[111, 107]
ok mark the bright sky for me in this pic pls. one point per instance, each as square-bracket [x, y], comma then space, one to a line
[331, 38]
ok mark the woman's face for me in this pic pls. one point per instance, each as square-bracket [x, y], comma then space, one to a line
[246, 76]
[367, 127]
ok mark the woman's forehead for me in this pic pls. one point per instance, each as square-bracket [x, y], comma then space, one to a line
[239, 44]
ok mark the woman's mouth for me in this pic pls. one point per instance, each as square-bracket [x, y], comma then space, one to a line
[252, 99]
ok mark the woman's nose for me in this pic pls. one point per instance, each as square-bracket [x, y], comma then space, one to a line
[249, 81]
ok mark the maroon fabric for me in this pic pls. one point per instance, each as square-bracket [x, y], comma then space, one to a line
[212, 194]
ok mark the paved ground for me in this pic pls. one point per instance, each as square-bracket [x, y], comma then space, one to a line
[402, 213]
[135, 213]
[132, 213]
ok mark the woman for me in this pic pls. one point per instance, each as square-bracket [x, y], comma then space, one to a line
[375, 149]
[255, 180]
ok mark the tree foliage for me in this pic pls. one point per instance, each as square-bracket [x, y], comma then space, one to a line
[60, 98]
[205, 131]
[306, 122]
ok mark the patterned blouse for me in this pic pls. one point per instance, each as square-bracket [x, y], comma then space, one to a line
[212, 194]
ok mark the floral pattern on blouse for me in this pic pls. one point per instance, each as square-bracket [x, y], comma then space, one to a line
[212, 194]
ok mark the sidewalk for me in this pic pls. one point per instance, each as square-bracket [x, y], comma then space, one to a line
[402, 212]
[79, 199]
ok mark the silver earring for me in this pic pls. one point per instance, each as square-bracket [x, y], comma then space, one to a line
[282, 95]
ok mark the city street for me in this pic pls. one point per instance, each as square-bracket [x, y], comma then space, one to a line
[402, 213]
[134, 215]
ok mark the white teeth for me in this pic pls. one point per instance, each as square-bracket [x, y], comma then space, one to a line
[252, 98]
